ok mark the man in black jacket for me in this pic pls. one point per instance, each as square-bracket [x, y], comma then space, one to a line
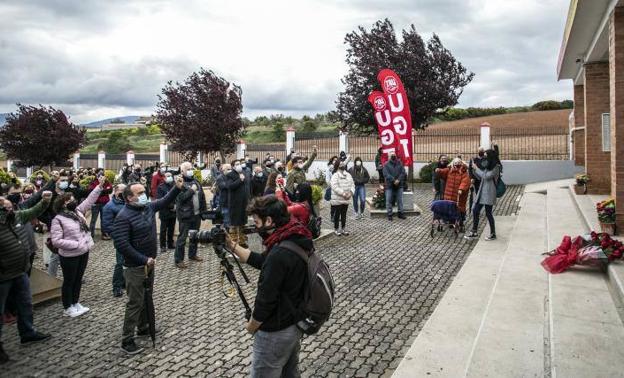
[394, 174]
[191, 203]
[134, 235]
[280, 289]
[167, 215]
[237, 198]
[15, 263]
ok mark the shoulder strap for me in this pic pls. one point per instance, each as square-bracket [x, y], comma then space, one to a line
[295, 248]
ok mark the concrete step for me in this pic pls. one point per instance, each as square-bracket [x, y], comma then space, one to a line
[511, 339]
[585, 329]
[445, 343]
[43, 286]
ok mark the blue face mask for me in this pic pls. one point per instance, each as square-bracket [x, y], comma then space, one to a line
[63, 185]
[142, 200]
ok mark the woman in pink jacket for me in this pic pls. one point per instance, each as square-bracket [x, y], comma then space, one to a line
[70, 234]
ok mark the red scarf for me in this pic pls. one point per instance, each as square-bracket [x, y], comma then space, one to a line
[293, 227]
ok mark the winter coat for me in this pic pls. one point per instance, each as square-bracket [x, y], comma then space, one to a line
[134, 177]
[456, 180]
[487, 190]
[14, 245]
[378, 164]
[393, 170]
[341, 183]
[66, 233]
[185, 210]
[247, 182]
[168, 212]
[297, 175]
[104, 194]
[329, 172]
[157, 179]
[237, 199]
[222, 191]
[134, 230]
[109, 213]
[258, 183]
[299, 210]
[360, 175]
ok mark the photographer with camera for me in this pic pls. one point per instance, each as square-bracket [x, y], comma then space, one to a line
[280, 288]
[191, 203]
[134, 236]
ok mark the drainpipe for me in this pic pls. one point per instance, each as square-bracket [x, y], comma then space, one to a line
[572, 130]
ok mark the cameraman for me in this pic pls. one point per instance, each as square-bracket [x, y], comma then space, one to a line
[280, 288]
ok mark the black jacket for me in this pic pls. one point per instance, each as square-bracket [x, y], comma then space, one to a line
[167, 212]
[134, 230]
[258, 184]
[184, 203]
[393, 170]
[360, 175]
[237, 199]
[280, 285]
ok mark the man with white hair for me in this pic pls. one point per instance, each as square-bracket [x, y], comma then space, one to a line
[190, 204]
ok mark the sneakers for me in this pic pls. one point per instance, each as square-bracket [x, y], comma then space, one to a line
[163, 250]
[181, 265]
[337, 232]
[106, 237]
[35, 338]
[491, 237]
[402, 216]
[196, 258]
[4, 358]
[130, 348]
[344, 233]
[82, 309]
[390, 218]
[117, 292]
[71, 311]
[471, 235]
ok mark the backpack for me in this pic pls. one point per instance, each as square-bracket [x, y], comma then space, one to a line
[318, 290]
[501, 188]
[314, 225]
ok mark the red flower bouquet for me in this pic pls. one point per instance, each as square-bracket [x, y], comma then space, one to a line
[596, 249]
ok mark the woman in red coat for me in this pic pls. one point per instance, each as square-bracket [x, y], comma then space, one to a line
[302, 209]
[457, 186]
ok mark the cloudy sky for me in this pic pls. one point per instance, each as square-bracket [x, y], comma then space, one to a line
[103, 58]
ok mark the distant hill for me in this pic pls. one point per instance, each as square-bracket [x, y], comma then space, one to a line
[98, 124]
[3, 117]
[551, 119]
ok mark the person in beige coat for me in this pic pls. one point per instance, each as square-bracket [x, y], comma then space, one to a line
[342, 190]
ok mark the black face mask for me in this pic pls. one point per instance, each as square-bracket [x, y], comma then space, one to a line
[264, 231]
[443, 164]
[481, 153]
[71, 206]
[393, 158]
[137, 170]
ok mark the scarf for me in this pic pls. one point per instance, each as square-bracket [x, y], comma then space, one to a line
[293, 227]
[75, 217]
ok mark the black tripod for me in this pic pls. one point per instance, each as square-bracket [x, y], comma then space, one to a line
[228, 272]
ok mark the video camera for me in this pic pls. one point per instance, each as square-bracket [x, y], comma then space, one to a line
[217, 236]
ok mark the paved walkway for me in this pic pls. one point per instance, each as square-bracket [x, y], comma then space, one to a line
[389, 279]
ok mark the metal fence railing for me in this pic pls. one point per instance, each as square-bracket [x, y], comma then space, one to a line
[532, 144]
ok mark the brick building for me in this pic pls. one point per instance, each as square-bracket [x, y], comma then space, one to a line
[592, 55]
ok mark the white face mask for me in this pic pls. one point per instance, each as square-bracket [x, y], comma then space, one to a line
[259, 174]
[301, 165]
[358, 163]
[169, 179]
[189, 174]
[238, 168]
[163, 170]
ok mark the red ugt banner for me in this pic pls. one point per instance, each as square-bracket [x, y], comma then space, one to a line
[392, 114]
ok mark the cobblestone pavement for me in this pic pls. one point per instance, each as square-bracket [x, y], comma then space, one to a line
[389, 278]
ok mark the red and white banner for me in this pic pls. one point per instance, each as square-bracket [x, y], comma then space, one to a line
[392, 114]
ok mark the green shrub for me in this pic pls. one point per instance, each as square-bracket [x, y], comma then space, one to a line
[426, 172]
[317, 194]
[33, 177]
[5, 178]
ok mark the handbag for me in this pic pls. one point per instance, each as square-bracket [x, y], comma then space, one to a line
[328, 194]
[50, 246]
[501, 188]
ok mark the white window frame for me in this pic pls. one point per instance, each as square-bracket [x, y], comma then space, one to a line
[606, 132]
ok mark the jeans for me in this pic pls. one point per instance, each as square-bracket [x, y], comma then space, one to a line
[391, 195]
[118, 278]
[191, 224]
[73, 271]
[96, 209]
[23, 299]
[276, 354]
[135, 316]
[167, 226]
[340, 215]
[476, 211]
[49, 258]
[226, 217]
[359, 198]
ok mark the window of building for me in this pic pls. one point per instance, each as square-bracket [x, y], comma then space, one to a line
[606, 132]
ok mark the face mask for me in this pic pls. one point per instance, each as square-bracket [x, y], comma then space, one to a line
[169, 180]
[163, 170]
[259, 174]
[227, 171]
[120, 196]
[238, 168]
[443, 164]
[142, 201]
[63, 185]
[71, 206]
[138, 170]
[189, 174]
[264, 231]
[218, 164]
[481, 153]
[300, 165]
[281, 169]
[393, 157]
[39, 182]
[358, 163]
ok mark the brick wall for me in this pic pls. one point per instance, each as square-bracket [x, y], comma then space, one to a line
[578, 138]
[597, 163]
[616, 71]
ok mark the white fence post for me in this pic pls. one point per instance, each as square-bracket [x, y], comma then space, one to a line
[290, 140]
[343, 142]
[101, 159]
[486, 140]
[9, 164]
[241, 147]
[130, 158]
[29, 172]
[76, 161]
[163, 153]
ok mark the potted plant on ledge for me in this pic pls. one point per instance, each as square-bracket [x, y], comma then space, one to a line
[581, 183]
[606, 216]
